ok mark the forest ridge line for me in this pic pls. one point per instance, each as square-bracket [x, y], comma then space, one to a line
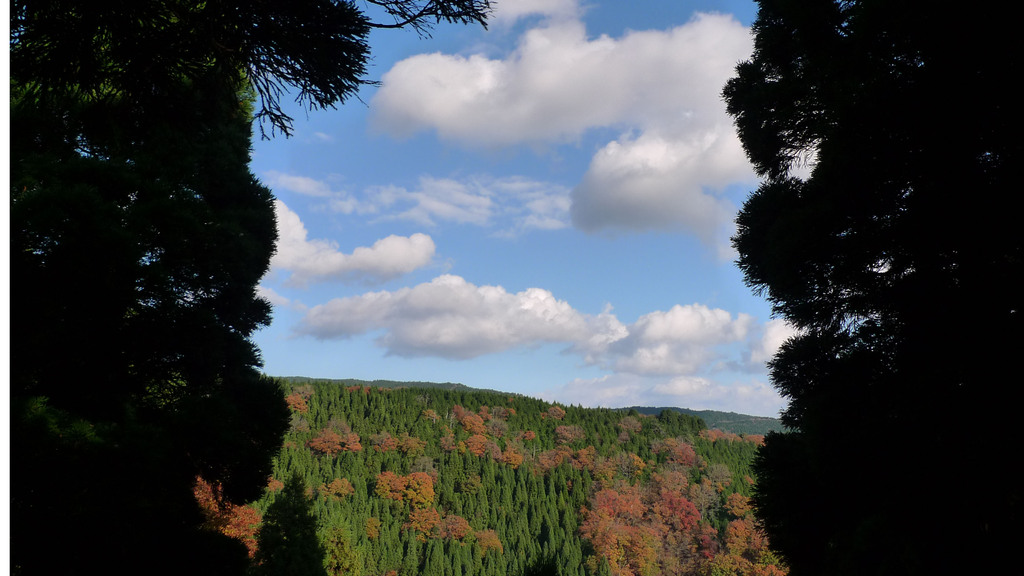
[730, 422]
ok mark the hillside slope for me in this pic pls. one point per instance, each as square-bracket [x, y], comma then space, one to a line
[439, 480]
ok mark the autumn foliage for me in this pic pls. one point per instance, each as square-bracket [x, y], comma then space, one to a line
[488, 540]
[297, 402]
[569, 434]
[454, 527]
[331, 443]
[474, 424]
[239, 522]
[555, 413]
[338, 488]
[423, 521]
[416, 488]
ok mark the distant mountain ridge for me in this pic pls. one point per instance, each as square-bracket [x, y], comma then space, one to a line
[715, 420]
[724, 421]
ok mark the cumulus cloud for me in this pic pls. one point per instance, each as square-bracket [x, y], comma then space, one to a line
[658, 182]
[559, 83]
[313, 260]
[685, 340]
[451, 318]
[661, 89]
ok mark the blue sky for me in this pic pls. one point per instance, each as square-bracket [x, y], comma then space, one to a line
[543, 208]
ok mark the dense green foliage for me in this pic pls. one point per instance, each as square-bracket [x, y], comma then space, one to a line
[441, 481]
[138, 236]
[899, 258]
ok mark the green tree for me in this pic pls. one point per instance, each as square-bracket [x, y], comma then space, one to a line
[900, 262]
[288, 544]
[138, 236]
[341, 558]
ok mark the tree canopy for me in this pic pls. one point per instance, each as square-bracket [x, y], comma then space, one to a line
[138, 237]
[888, 136]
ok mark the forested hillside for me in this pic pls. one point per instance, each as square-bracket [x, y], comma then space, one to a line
[401, 481]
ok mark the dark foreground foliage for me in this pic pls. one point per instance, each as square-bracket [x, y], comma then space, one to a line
[900, 259]
[138, 236]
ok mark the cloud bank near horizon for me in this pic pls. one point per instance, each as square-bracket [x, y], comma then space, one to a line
[681, 353]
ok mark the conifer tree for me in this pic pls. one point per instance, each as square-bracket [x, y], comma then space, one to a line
[882, 231]
[288, 544]
[138, 236]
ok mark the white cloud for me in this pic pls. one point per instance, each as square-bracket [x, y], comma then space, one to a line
[684, 386]
[515, 203]
[611, 391]
[336, 200]
[658, 182]
[692, 324]
[774, 333]
[662, 89]
[319, 260]
[559, 83]
[436, 199]
[529, 204]
[508, 11]
[451, 318]
[298, 184]
[695, 392]
[685, 340]
[270, 295]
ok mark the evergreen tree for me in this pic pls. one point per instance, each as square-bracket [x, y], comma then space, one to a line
[138, 236]
[341, 558]
[899, 260]
[288, 544]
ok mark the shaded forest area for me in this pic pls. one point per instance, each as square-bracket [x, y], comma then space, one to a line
[434, 481]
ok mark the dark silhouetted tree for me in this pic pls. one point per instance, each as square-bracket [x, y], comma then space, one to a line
[897, 255]
[138, 236]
